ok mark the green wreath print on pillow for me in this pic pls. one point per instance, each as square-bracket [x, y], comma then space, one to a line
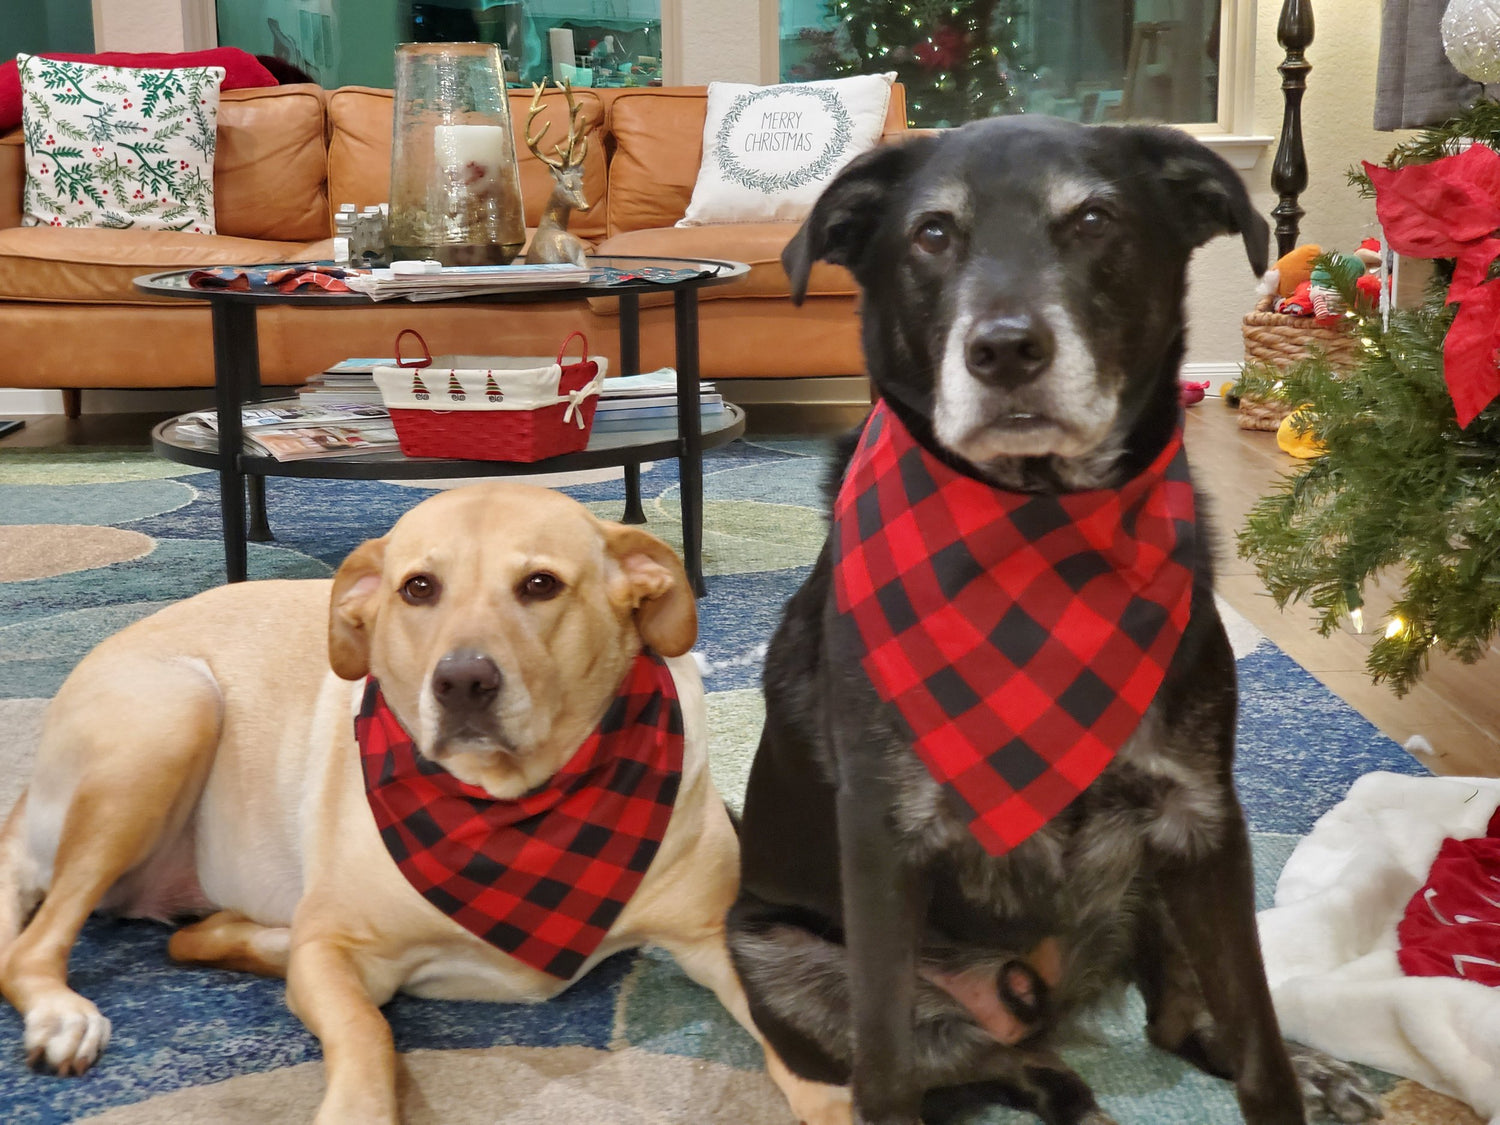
[113, 147]
[768, 151]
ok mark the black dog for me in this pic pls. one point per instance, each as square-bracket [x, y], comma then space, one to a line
[1023, 282]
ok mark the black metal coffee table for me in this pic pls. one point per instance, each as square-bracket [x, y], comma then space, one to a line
[237, 383]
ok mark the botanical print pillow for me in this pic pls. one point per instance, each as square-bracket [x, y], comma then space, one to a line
[768, 151]
[113, 147]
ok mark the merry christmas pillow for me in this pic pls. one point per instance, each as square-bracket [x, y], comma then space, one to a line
[768, 151]
[113, 147]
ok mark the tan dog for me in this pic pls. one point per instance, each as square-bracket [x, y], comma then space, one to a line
[204, 760]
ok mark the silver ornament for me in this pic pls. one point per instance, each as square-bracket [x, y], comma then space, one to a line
[1471, 38]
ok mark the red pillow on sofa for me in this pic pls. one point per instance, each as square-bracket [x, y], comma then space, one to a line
[241, 72]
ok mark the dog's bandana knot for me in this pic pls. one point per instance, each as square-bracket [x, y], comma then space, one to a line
[543, 876]
[1021, 636]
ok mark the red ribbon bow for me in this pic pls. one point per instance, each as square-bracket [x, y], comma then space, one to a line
[1451, 209]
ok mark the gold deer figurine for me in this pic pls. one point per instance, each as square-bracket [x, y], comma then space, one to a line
[552, 243]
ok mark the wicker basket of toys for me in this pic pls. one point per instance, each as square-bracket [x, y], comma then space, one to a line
[1280, 339]
[492, 408]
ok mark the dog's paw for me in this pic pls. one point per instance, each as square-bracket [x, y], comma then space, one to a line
[64, 1033]
[1333, 1089]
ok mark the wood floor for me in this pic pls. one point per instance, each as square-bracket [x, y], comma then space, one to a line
[1456, 707]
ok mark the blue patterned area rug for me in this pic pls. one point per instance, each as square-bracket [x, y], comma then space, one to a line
[91, 540]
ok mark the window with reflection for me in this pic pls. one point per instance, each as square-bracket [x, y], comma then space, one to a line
[1086, 60]
[352, 42]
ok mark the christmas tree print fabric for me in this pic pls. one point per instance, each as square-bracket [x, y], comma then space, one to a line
[114, 147]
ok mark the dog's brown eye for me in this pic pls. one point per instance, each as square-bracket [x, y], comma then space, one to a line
[540, 586]
[1092, 221]
[419, 588]
[933, 236]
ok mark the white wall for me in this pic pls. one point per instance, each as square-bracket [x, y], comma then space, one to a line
[720, 41]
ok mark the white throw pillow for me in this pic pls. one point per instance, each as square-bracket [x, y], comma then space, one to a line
[768, 151]
[115, 147]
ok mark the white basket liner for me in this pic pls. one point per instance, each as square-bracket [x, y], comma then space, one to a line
[525, 382]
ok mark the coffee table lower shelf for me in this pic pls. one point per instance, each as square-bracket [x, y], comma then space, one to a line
[187, 443]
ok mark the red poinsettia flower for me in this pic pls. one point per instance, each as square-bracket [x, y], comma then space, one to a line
[943, 50]
[1451, 209]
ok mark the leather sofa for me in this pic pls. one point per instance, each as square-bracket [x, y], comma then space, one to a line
[289, 155]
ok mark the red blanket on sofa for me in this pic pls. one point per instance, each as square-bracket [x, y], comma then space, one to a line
[241, 72]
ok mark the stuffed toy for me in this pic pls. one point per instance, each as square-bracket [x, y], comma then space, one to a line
[1192, 393]
[1294, 436]
[1312, 286]
[1331, 275]
[1290, 271]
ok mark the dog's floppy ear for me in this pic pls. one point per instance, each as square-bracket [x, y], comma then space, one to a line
[1209, 195]
[845, 216]
[351, 610]
[653, 583]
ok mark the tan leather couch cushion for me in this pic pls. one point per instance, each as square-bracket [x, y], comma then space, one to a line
[758, 245]
[359, 152]
[270, 169]
[12, 178]
[91, 266]
[658, 147]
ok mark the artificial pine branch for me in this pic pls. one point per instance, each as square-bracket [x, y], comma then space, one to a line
[1400, 489]
[1480, 122]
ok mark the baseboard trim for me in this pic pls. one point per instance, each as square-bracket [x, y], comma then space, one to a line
[28, 400]
[840, 394]
[34, 400]
[1213, 372]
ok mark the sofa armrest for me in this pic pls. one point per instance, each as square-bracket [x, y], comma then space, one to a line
[12, 178]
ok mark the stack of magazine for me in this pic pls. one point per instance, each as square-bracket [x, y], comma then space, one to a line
[436, 284]
[648, 402]
[350, 381]
[293, 432]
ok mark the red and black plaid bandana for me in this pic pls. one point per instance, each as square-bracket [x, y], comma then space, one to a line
[1021, 636]
[544, 876]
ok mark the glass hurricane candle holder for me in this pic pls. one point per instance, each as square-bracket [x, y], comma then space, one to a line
[455, 186]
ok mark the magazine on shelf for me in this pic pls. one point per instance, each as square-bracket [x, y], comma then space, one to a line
[707, 410]
[296, 443]
[662, 381]
[256, 418]
[463, 281]
[626, 405]
[356, 366]
[629, 423]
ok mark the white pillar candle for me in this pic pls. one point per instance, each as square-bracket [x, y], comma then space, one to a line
[473, 155]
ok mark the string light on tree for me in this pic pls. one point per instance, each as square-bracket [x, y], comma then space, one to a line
[957, 60]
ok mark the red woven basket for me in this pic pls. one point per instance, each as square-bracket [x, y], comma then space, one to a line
[500, 435]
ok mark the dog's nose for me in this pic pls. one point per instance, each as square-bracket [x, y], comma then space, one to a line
[1009, 349]
[466, 680]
